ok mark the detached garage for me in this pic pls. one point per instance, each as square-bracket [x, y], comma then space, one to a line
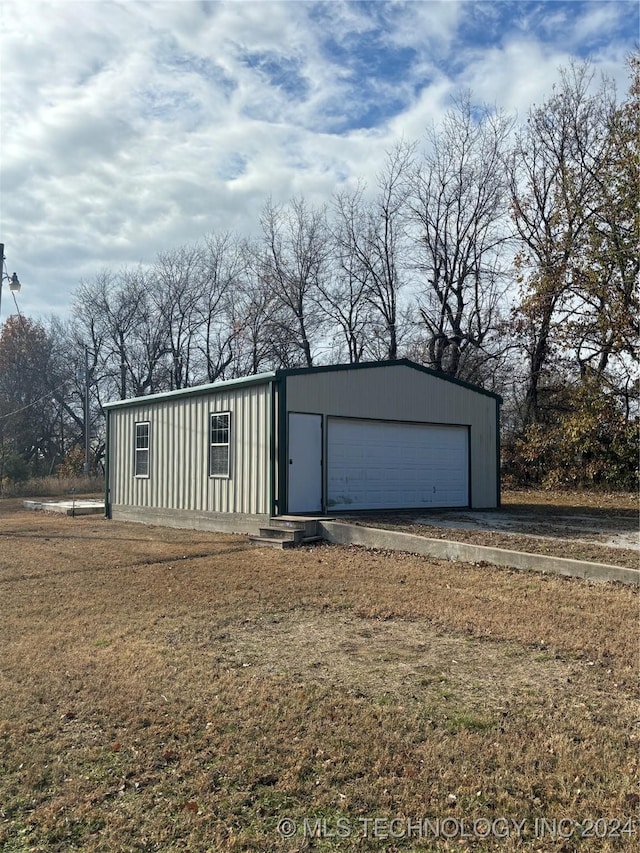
[344, 438]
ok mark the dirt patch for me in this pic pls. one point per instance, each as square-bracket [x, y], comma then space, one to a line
[393, 659]
[555, 524]
[614, 556]
[571, 501]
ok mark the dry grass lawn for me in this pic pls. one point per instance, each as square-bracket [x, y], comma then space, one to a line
[180, 691]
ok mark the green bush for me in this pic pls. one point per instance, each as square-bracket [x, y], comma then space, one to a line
[14, 468]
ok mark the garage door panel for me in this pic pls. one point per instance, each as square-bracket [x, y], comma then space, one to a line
[384, 465]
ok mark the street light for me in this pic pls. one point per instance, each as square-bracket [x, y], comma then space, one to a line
[14, 284]
[87, 426]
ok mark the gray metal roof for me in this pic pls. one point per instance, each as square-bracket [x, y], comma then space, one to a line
[211, 388]
[261, 378]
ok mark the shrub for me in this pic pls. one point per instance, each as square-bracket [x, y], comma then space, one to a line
[73, 463]
[592, 445]
[14, 468]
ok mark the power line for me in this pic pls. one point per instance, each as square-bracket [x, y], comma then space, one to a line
[33, 402]
[45, 396]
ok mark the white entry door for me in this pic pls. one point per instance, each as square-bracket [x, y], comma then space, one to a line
[384, 465]
[304, 463]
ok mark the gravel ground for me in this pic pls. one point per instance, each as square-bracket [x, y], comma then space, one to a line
[596, 528]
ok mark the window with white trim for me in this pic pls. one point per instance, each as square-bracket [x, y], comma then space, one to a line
[220, 431]
[141, 464]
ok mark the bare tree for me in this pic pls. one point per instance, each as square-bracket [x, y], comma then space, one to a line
[371, 243]
[223, 270]
[293, 262]
[343, 296]
[263, 341]
[176, 291]
[120, 326]
[459, 205]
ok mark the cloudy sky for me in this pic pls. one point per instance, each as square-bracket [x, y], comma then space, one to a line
[130, 127]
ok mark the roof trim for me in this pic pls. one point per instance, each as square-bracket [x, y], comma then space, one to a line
[405, 362]
[194, 391]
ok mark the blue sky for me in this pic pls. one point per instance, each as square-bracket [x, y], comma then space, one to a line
[129, 128]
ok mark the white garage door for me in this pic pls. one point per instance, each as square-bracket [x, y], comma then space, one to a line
[382, 465]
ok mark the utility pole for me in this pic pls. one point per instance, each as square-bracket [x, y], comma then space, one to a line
[87, 428]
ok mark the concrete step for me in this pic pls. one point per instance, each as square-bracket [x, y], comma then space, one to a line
[269, 542]
[309, 524]
[294, 534]
[287, 532]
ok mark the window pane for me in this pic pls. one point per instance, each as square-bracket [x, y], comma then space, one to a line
[142, 463]
[220, 460]
[219, 429]
[142, 436]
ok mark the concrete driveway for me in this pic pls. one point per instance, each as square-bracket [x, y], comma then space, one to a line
[609, 529]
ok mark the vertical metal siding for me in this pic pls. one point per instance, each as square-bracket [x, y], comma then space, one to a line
[179, 453]
[400, 393]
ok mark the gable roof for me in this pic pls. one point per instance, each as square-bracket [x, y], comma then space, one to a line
[405, 362]
[276, 375]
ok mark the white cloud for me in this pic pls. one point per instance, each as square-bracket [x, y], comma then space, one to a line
[133, 127]
[504, 76]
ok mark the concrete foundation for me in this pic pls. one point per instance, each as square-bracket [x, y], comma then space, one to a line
[371, 537]
[78, 507]
[216, 522]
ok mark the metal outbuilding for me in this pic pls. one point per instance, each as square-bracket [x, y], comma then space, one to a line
[309, 441]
